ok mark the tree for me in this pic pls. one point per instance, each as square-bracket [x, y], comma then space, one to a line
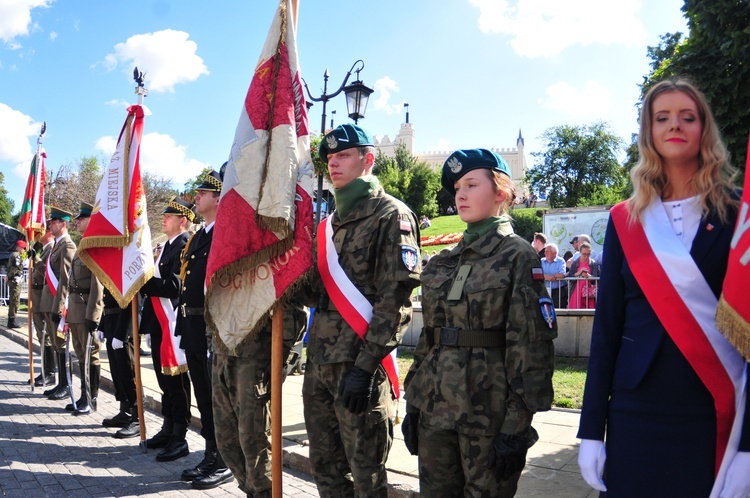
[408, 179]
[716, 57]
[578, 164]
[6, 204]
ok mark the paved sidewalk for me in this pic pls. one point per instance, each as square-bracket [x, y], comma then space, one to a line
[551, 470]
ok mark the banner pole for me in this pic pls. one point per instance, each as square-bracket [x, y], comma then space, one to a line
[30, 325]
[137, 367]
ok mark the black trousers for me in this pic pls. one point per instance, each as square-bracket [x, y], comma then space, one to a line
[175, 398]
[120, 363]
[199, 365]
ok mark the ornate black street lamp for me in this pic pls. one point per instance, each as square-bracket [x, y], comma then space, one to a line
[357, 95]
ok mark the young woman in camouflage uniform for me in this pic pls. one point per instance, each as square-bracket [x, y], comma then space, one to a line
[483, 364]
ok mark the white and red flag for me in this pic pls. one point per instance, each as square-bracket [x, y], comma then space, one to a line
[32, 220]
[262, 242]
[733, 314]
[116, 245]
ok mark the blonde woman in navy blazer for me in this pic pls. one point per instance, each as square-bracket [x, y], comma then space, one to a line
[643, 390]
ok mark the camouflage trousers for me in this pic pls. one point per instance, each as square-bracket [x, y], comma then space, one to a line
[242, 421]
[14, 299]
[79, 334]
[455, 464]
[347, 451]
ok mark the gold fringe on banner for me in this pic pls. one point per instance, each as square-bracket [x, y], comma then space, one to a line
[734, 327]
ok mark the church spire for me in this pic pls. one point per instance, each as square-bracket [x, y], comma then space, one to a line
[520, 138]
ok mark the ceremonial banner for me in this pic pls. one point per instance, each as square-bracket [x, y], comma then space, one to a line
[32, 220]
[262, 243]
[116, 245]
[733, 314]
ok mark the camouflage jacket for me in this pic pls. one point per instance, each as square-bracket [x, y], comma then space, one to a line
[374, 242]
[484, 390]
[15, 267]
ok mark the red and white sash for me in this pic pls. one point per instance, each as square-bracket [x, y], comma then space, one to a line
[50, 277]
[173, 360]
[353, 306]
[686, 307]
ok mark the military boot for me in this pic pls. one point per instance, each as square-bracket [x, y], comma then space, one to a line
[62, 390]
[162, 438]
[204, 467]
[218, 474]
[60, 371]
[122, 419]
[177, 447]
[48, 366]
[12, 324]
[89, 405]
[133, 429]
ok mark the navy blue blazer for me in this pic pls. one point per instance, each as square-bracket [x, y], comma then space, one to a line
[627, 333]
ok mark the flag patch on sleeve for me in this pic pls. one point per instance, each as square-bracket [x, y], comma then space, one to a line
[537, 274]
[405, 225]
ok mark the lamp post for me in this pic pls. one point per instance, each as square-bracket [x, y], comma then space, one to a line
[332, 113]
[357, 95]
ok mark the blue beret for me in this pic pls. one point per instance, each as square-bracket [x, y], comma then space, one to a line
[343, 137]
[462, 161]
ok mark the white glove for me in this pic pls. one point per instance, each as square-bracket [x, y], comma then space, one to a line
[591, 458]
[100, 335]
[117, 343]
[148, 340]
[737, 482]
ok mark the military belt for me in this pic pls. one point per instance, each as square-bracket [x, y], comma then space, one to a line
[79, 290]
[190, 311]
[461, 338]
[111, 311]
[37, 287]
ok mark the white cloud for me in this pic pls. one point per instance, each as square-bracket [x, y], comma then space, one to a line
[15, 17]
[15, 46]
[383, 88]
[167, 57]
[160, 155]
[15, 130]
[544, 28]
[592, 101]
[53, 36]
[120, 103]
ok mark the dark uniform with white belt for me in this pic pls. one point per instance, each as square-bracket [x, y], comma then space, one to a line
[175, 388]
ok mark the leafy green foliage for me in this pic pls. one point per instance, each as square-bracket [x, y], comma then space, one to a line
[525, 222]
[407, 179]
[716, 57]
[6, 204]
[578, 163]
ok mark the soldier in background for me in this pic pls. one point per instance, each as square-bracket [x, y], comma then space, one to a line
[348, 396]
[55, 293]
[15, 277]
[483, 364]
[191, 327]
[47, 377]
[85, 293]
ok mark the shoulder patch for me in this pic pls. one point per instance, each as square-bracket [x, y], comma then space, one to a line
[548, 311]
[410, 256]
[405, 226]
[537, 274]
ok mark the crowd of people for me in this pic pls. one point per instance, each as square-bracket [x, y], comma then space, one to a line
[484, 360]
[571, 279]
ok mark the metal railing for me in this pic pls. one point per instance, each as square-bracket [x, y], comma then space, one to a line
[5, 291]
[568, 290]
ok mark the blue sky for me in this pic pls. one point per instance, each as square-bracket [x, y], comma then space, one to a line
[472, 71]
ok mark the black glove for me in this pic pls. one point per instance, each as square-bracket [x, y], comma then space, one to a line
[91, 325]
[410, 430]
[356, 389]
[56, 317]
[507, 455]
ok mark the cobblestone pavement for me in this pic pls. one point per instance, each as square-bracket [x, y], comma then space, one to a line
[46, 451]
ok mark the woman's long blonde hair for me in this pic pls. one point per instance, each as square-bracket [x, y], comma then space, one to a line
[713, 179]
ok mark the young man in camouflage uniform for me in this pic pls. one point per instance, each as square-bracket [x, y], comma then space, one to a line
[55, 296]
[14, 277]
[348, 398]
[47, 377]
[483, 364]
[85, 305]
